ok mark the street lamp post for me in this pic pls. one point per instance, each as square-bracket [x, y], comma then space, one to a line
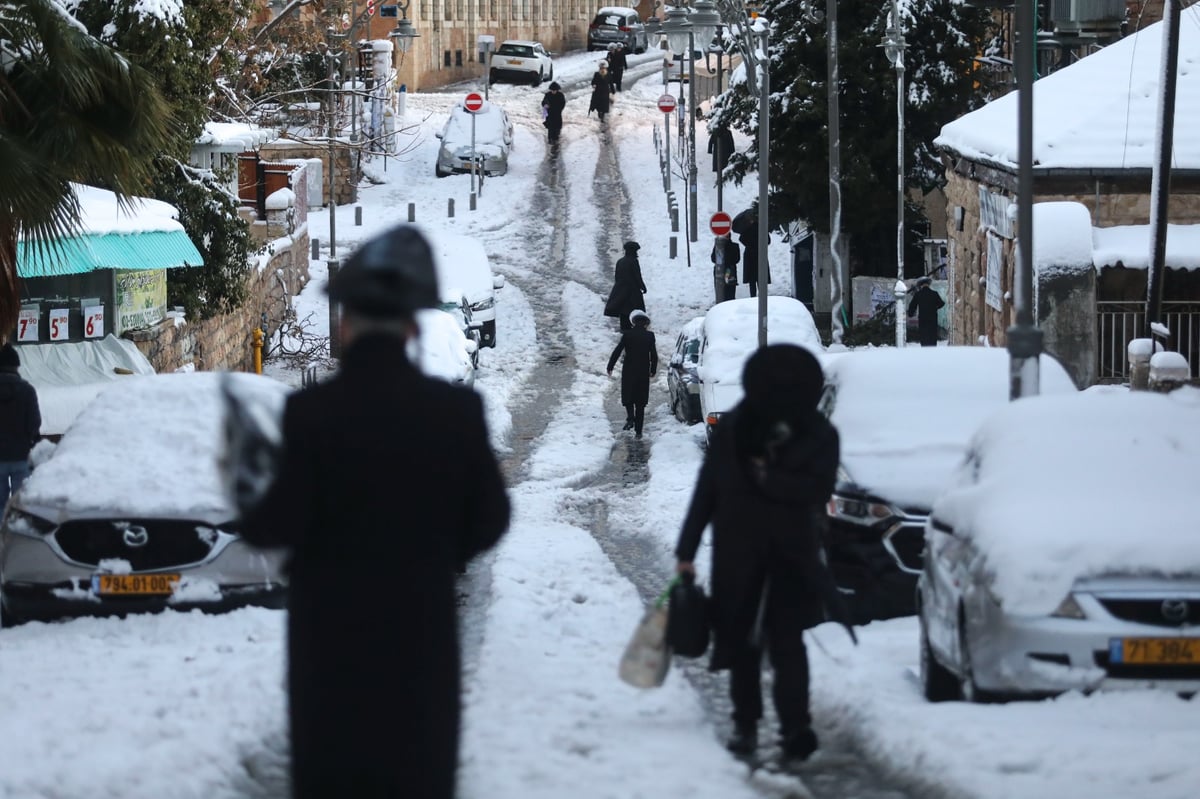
[764, 144]
[703, 20]
[678, 30]
[893, 46]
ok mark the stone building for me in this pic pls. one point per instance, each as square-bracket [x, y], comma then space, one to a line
[1095, 136]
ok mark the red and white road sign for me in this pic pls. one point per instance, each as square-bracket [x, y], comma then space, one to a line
[474, 102]
[666, 103]
[720, 224]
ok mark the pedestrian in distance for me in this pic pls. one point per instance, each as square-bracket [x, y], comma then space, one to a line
[617, 63]
[553, 103]
[601, 91]
[924, 305]
[725, 256]
[720, 144]
[20, 423]
[639, 365]
[385, 487]
[768, 472]
[628, 287]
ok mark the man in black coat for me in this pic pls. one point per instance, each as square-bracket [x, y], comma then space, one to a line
[628, 287]
[725, 255]
[769, 470]
[720, 144]
[20, 423]
[386, 486]
[924, 305]
[601, 91]
[640, 364]
[553, 103]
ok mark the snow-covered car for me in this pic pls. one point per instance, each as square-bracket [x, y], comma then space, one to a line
[521, 60]
[128, 513]
[905, 417]
[463, 266]
[493, 139]
[1064, 554]
[441, 349]
[683, 379]
[458, 306]
[730, 337]
[617, 25]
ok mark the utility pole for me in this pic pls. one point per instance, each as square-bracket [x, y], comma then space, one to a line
[833, 125]
[1160, 185]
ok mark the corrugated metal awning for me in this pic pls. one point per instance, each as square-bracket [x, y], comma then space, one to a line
[146, 249]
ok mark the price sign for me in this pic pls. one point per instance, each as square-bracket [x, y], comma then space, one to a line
[93, 321]
[27, 325]
[58, 324]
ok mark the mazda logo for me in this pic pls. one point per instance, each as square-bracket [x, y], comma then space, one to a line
[1175, 610]
[136, 536]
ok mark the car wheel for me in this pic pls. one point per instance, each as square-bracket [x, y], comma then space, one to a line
[937, 682]
[967, 689]
[540, 77]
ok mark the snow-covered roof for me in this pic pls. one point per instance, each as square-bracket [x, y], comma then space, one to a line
[1099, 113]
[239, 135]
[146, 234]
[1130, 246]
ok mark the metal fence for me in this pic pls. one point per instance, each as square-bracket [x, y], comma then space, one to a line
[1118, 323]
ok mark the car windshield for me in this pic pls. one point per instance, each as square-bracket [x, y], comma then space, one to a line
[516, 50]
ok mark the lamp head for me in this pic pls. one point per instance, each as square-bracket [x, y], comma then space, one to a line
[403, 34]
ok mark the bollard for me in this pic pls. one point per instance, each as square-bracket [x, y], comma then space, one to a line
[1168, 371]
[412, 212]
[316, 249]
[450, 208]
[674, 250]
[472, 202]
[256, 340]
[358, 216]
[1139, 352]
[335, 338]
[674, 218]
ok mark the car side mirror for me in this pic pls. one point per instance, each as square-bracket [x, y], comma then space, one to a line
[497, 281]
[472, 346]
[677, 361]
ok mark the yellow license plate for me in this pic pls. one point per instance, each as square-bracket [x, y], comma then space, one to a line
[1156, 651]
[134, 584]
[515, 61]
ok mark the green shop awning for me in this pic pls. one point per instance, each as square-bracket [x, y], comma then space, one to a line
[146, 249]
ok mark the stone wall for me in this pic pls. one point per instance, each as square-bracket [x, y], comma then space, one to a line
[225, 342]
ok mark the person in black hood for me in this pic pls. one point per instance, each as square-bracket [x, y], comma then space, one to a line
[20, 423]
[640, 364]
[553, 103]
[628, 287]
[387, 485]
[769, 470]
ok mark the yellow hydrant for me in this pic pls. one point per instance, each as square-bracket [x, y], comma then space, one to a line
[258, 345]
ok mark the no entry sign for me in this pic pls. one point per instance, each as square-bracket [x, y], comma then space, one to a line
[474, 102]
[666, 103]
[720, 224]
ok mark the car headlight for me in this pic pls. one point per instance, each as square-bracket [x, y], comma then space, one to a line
[1069, 609]
[483, 305]
[22, 523]
[856, 510]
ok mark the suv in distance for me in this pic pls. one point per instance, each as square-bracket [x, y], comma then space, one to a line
[617, 25]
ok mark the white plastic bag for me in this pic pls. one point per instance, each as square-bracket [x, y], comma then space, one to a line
[647, 657]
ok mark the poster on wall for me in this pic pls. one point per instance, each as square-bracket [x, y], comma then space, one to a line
[995, 264]
[27, 324]
[141, 298]
[93, 321]
[60, 319]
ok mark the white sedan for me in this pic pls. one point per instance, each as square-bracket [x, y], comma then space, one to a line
[519, 60]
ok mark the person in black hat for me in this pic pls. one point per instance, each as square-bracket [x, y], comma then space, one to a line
[553, 103]
[602, 91]
[628, 287]
[386, 486]
[640, 364]
[769, 470]
[20, 423]
[924, 305]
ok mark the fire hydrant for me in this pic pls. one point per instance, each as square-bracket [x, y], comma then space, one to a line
[258, 345]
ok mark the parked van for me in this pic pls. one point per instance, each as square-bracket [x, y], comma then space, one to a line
[463, 266]
[617, 25]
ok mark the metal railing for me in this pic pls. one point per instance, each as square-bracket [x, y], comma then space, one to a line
[1118, 323]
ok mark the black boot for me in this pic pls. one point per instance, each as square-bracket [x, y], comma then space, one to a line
[798, 746]
[744, 740]
[628, 424]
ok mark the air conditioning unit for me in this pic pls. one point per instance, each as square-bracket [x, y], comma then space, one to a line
[1081, 17]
